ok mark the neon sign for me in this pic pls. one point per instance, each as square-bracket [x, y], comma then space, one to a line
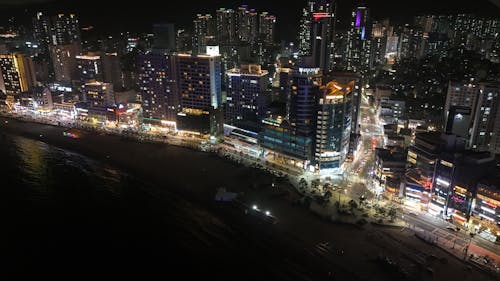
[318, 16]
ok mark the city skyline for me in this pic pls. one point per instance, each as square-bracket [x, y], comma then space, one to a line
[145, 15]
[365, 148]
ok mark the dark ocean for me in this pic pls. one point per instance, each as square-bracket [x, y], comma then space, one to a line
[65, 216]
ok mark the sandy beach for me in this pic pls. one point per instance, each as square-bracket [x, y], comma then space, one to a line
[350, 252]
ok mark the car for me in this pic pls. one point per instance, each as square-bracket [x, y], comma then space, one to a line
[451, 228]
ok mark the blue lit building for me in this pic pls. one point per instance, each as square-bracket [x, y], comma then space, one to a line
[279, 136]
[247, 94]
[359, 41]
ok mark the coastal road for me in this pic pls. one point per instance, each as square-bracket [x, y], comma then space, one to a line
[196, 176]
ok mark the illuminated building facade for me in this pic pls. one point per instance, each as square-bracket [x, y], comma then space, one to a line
[486, 206]
[317, 33]
[98, 94]
[305, 40]
[199, 87]
[157, 86]
[471, 111]
[247, 93]
[65, 29]
[204, 29]
[333, 127]
[460, 107]
[358, 50]
[18, 73]
[422, 160]
[64, 61]
[389, 164]
[226, 26]
[90, 67]
[485, 133]
[247, 25]
[42, 31]
[279, 136]
[455, 181]
[267, 27]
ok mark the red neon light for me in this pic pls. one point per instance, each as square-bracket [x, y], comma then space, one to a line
[318, 16]
[491, 204]
[374, 143]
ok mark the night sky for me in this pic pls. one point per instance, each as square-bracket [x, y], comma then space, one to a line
[140, 17]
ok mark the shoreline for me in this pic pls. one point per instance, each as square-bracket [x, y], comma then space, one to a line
[196, 175]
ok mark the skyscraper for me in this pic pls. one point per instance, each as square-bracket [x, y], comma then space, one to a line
[485, 133]
[472, 111]
[65, 29]
[157, 87]
[267, 26]
[18, 74]
[247, 25]
[226, 25]
[317, 33]
[64, 61]
[247, 91]
[204, 28]
[199, 85]
[303, 99]
[359, 41]
[305, 46]
[42, 31]
[333, 126]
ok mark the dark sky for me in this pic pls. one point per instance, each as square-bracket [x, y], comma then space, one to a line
[110, 15]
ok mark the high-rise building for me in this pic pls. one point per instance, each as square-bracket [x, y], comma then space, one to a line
[485, 133]
[472, 111]
[359, 41]
[317, 33]
[90, 67]
[164, 37]
[157, 86]
[226, 25]
[304, 96]
[306, 20]
[381, 32]
[410, 42]
[64, 61]
[346, 77]
[267, 27]
[204, 29]
[333, 127]
[247, 24]
[112, 70]
[464, 96]
[65, 29]
[98, 94]
[199, 87]
[42, 31]
[247, 94]
[17, 73]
